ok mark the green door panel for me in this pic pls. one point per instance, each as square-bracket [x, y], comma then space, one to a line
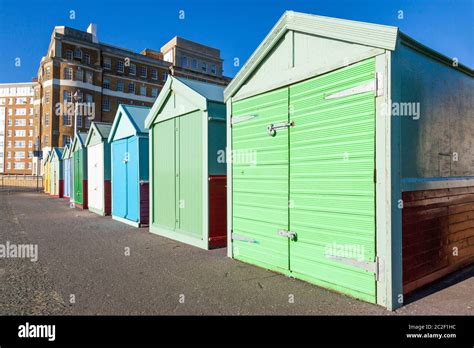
[190, 202]
[332, 190]
[164, 172]
[260, 181]
[78, 177]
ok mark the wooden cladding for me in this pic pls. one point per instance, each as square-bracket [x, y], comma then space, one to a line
[438, 234]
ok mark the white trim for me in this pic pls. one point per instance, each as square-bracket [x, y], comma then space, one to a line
[72, 83]
[126, 221]
[421, 184]
[229, 176]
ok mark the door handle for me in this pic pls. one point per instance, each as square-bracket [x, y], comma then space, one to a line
[272, 127]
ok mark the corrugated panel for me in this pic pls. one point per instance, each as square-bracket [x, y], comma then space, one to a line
[190, 174]
[78, 177]
[332, 190]
[119, 178]
[164, 174]
[260, 181]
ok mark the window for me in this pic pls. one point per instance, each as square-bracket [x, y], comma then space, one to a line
[194, 63]
[154, 74]
[21, 122]
[78, 53]
[10, 122]
[87, 58]
[88, 122]
[30, 132]
[47, 73]
[143, 71]
[10, 112]
[31, 100]
[79, 75]
[120, 86]
[184, 61]
[89, 77]
[9, 155]
[30, 143]
[46, 119]
[107, 63]
[89, 98]
[8, 165]
[46, 97]
[20, 133]
[106, 84]
[20, 112]
[10, 133]
[20, 144]
[30, 121]
[30, 164]
[69, 54]
[3, 101]
[106, 104]
[67, 96]
[142, 90]
[20, 101]
[68, 73]
[120, 67]
[19, 165]
[66, 140]
[30, 154]
[31, 111]
[213, 69]
[46, 140]
[154, 92]
[204, 67]
[67, 120]
[132, 69]
[165, 76]
[9, 143]
[131, 88]
[79, 121]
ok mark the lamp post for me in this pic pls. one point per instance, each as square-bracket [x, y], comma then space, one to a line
[77, 98]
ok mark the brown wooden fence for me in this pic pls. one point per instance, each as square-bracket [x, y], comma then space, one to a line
[18, 182]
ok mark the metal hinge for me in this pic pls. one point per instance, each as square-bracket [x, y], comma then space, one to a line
[243, 238]
[288, 234]
[376, 267]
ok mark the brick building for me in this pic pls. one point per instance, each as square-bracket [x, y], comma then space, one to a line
[77, 67]
[17, 125]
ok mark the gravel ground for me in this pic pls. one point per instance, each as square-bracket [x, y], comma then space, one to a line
[83, 269]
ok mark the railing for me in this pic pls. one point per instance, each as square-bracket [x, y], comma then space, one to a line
[21, 182]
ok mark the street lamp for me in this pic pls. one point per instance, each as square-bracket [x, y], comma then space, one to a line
[77, 98]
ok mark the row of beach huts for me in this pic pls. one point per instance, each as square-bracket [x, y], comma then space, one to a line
[340, 154]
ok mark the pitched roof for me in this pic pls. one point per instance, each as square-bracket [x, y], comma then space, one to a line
[368, 34]
[136, 115]
[197, 92]
[102, 128]
[210, 91]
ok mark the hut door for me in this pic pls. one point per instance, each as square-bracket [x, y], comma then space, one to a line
[332, 189]
[260, 179]
[77, 177]
[132, 179]
[119, 179]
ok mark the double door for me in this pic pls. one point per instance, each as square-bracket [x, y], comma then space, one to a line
[303, 191]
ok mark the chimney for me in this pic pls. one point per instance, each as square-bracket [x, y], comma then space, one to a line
[92, 29]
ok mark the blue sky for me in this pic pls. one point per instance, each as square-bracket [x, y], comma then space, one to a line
[235, 27]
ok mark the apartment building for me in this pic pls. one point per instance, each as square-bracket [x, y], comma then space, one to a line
[80, 75]
[194, 61]
[17, 127]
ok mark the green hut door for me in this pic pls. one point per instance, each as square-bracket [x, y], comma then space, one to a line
[306, 205]
[78, 176]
